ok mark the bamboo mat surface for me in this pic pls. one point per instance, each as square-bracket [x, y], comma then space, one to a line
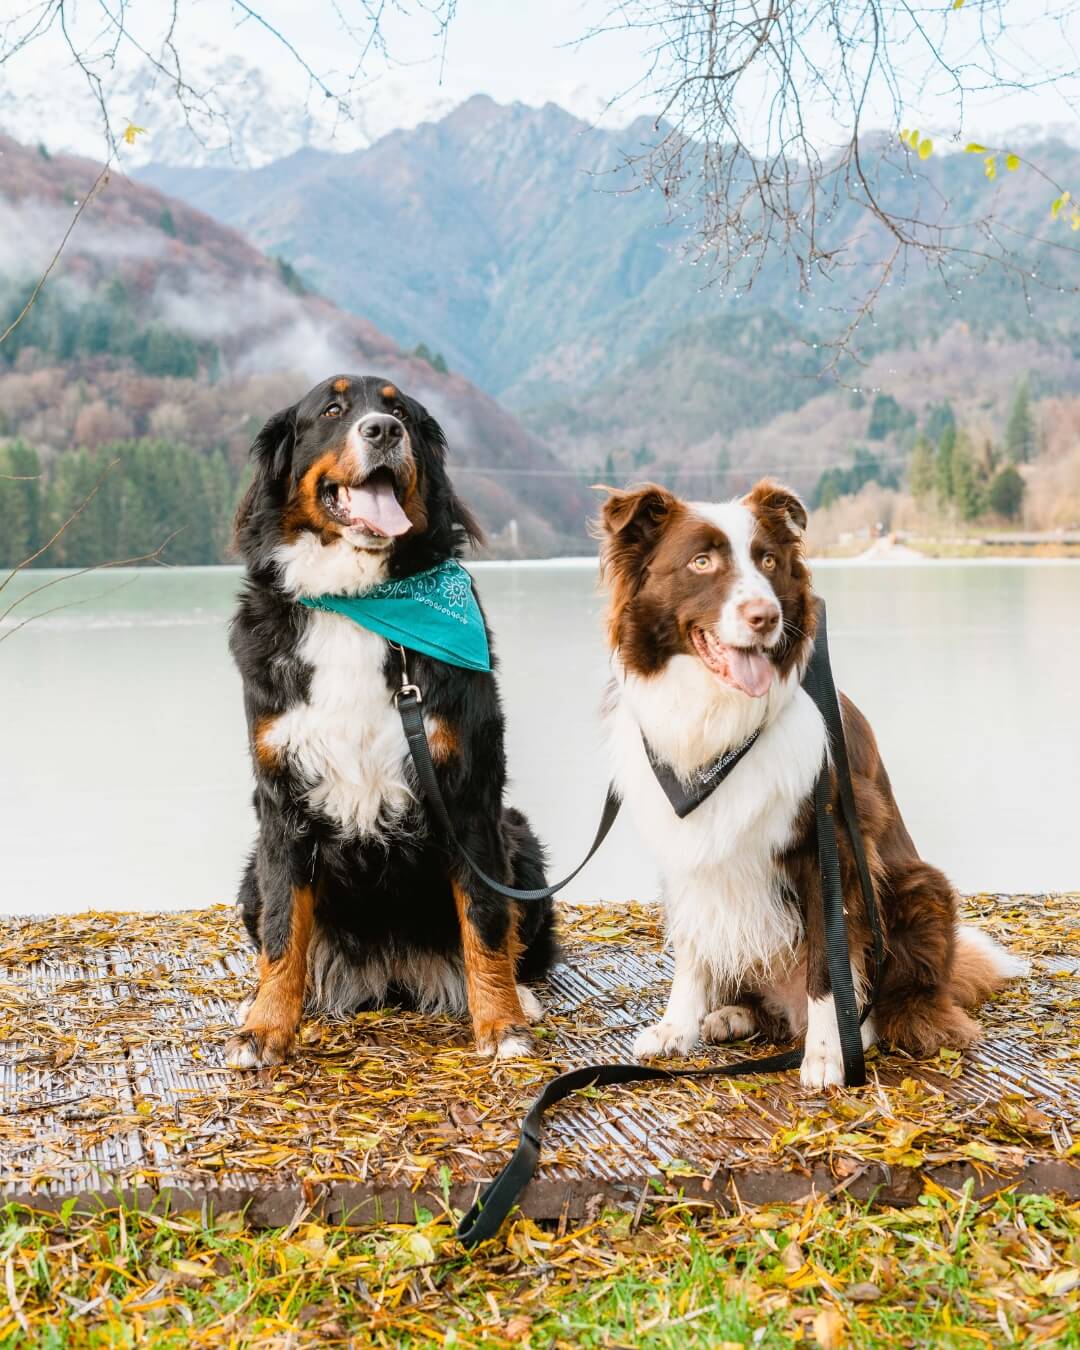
[112, 1081]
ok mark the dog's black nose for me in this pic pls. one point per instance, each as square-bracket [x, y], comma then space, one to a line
[380, 430]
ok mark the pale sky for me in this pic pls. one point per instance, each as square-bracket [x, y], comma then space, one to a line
[530, 51]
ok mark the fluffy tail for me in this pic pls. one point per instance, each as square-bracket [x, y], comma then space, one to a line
[981, 966]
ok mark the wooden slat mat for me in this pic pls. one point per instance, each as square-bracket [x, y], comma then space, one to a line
[112, 1082]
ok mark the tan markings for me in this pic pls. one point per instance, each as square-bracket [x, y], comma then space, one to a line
[267, 756]
[490, 979]
[443, 741]
[275, 1015]
[341, 386]
[412, 498]
[388, 391]
[304, 511]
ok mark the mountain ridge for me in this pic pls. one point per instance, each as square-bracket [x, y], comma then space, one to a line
[224, 335]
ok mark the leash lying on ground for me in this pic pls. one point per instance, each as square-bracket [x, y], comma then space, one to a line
[486, 1216]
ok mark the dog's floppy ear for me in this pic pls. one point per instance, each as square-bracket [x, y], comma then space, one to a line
[629, 526]
[779, 504]
[271, 452]
[631, 519]
[272, 449]
[462, 520]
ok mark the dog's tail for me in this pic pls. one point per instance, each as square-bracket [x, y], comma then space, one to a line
[981, 966]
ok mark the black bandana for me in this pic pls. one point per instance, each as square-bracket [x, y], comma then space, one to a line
[684, 797]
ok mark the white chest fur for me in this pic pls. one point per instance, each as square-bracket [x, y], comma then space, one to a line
[722, 890]
[346, 741]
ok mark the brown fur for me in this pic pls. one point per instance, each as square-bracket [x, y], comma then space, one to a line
[274, 1016]
[443, 740]
[490, 984]
[304, 511]
[267, 756]
[656, 600]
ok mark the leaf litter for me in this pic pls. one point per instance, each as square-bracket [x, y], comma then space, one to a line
[113, 1082]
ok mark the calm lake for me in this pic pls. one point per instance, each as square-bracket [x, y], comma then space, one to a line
[124, 777]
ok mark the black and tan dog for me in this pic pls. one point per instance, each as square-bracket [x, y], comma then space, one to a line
[352, 896]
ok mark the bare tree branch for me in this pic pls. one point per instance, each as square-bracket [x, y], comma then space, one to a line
[761, 136]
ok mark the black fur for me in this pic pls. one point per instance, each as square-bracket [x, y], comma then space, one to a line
[372, 896]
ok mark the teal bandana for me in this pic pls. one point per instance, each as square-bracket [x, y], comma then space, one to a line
[434, 612]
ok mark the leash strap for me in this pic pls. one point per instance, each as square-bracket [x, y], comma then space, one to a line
[492, 1206]
[489, 1211]
[821, 687]
[684, 797]
[412, 719]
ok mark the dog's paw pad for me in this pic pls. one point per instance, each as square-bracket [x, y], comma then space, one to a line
[665, 1039]
[530, 1004]
[728, 1024]
[249, 1050]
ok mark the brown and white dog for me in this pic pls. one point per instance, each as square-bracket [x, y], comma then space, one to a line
[711, 624]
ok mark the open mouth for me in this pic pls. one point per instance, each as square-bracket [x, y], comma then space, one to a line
[371, 505]
[745, 668]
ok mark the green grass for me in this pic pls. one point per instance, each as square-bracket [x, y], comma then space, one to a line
[949, 1271]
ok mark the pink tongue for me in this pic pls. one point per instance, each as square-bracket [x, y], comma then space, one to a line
[749, 671]
[377, 509]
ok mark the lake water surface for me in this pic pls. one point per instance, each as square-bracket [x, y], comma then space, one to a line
[124, 779]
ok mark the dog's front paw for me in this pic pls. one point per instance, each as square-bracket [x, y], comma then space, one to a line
[255, 1049]
[822, 1067]
[728, 1024]
[505, 1041]
[665, 1038]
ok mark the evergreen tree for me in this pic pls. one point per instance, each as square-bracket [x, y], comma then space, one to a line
[887, 416]
[921, 469]
[20, 503]
[1006, 493]
[943, 468]
[1020, 428]
[939, 419]
[967, 489]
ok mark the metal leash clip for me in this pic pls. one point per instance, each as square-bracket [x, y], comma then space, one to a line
[406, 687]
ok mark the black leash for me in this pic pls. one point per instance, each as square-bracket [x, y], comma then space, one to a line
[489, 1211]
[409, 705]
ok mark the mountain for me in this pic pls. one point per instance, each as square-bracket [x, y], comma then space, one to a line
[494, 235]
[238, 112]
[514, 241]
[160, 322]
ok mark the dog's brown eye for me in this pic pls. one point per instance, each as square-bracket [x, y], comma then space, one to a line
[701, 563]
[768, 563]
[334, 410]
[399, 411]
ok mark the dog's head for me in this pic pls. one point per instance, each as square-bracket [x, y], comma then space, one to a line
[725, 583]
[350, 487]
